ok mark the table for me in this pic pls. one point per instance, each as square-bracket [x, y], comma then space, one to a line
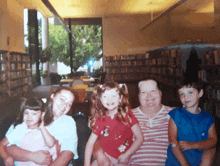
[69, 81]
[66, 81]
[88, 80]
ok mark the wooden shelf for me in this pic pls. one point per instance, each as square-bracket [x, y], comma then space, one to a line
[15, 74]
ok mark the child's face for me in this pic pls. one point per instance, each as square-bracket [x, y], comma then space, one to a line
[111, 99]
[190, 96]
[32, 118]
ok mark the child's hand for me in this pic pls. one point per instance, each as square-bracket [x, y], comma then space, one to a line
[9, 161]
[41, 124]
[123, 159]
[185, 145]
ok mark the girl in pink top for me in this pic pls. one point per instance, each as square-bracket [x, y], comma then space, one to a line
[32, 133]
[114, 123]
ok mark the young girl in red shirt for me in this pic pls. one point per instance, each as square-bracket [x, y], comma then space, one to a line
[114, 124]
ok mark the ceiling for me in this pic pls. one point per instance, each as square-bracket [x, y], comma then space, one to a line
[109, 8]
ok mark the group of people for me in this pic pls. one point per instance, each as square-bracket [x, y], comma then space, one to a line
[152, 134]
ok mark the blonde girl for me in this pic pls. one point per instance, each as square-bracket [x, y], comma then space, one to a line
[113, 121]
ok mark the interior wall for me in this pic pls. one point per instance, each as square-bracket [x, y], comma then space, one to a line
[15, 26]
[121, 35]
[3, 25]
[157, 34]
[193, 27]
[12, 28]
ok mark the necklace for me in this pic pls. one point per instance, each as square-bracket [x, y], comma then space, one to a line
[151, 118]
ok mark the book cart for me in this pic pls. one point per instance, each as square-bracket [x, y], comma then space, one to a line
[15, 74]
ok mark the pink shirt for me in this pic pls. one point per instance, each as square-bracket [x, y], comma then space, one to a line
[116, 137]
[33, 141]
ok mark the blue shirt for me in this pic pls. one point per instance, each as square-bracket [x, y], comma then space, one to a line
[191, 128]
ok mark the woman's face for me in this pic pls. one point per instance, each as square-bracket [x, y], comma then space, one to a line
[62, 102]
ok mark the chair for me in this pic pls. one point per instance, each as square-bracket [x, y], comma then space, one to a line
[80, 86]
[83, 132]
[81, 95]
[77, 81]
[102, 78]
[84, 77]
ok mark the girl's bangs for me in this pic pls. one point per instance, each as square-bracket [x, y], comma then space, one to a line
[35, 108]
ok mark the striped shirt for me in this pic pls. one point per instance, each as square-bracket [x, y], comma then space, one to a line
[153, 151]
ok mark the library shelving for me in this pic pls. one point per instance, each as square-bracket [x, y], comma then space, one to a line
[3, 75]
[125, 67]
[162, 64]
[15, 74]
[210, 74]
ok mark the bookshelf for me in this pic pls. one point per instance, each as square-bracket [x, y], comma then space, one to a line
[3, 75]
[15, 74]
[123, 68]
[163, 65]
[210, 74]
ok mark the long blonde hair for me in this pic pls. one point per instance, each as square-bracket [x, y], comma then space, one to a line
[98, 111]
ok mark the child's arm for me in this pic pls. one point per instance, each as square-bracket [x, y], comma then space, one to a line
[203, 145]
[48, 138]
[41, 157]
[172, 135]
[139, 138]
[208, 157]
[89, 148]
[8, 160]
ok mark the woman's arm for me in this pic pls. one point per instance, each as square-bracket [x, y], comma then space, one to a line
[89, 149]
[100, 156]
[48, 138]
[172, 135]
[139, 138]
[8, 160]
[41, 157]
[202, 145]
[3, 144]
[63, 158]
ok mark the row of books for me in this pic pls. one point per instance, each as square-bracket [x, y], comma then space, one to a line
[147, 69]
[3, 86]
[3, 57]
[212, 58]
[18, 90]
[212, 107]
[3, 67]
[156, 61]
[3, 95]
[19, 82]
[19, 58]
[124, 63]
[21, 73]
[127, 76]
[168, 53]
[127, 57]
[19, 66]
[212, 93]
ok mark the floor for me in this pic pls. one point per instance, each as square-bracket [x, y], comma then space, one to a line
[10, 110]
